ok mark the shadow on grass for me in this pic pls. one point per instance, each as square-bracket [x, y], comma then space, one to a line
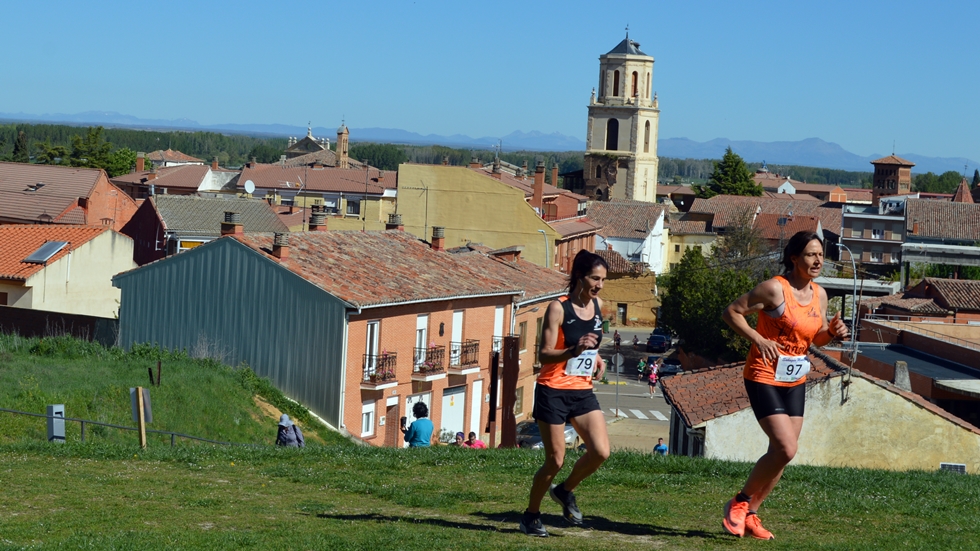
[599, 524]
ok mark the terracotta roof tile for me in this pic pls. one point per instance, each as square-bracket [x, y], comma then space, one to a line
[527, 184]
[932, 219]
[686, 226]
[962, 294]
[18, 241]
[336, 180]
[185, 177]
[627, 219]
[618, 264]
[726, 208]
[326, 158]
[962, 194]
[915, 305]
[769, 227]
[62, 188]
[537, 282]
[381, 268]
[892, 160]
[570, 227]
[171, 156]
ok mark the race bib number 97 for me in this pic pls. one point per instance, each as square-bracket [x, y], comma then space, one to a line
[789, 369]
[582, 365]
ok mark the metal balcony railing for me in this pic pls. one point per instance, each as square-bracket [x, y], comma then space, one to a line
[379, 368]
[431, 359]
[464, 353]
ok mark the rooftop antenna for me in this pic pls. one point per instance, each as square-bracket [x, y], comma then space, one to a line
[893, 147]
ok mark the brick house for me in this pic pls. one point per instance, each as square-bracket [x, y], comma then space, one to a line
[32, 194]
[177, 179]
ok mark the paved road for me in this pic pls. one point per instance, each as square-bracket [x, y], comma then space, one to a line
[635, 420]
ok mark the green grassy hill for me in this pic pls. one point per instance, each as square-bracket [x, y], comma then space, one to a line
[108, 494]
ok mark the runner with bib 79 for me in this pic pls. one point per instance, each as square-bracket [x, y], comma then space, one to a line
[792, 313]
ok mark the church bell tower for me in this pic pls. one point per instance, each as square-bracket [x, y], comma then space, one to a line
[621, 145]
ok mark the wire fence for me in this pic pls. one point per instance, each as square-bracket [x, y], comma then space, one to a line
[83, 422]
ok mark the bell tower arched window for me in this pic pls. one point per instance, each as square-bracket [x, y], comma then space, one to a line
[635, 92]
[598, 171]
[612, 135]
[646, 138]
[616, 83]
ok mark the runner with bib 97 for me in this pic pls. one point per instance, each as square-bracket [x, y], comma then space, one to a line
[792, 313]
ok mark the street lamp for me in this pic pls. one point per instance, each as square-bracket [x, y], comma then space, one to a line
[855, 317]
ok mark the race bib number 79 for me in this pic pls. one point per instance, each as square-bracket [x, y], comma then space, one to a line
[789, 369]
[582, 365]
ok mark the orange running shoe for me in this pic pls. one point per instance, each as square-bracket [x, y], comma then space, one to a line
[734, 521]
[753, 527]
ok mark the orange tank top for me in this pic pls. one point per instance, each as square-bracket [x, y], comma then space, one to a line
[793, 330]
[570, 331]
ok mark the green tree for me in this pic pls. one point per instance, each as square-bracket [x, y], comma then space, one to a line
[976, 178]
[265, 153]
[730, 177]
[47, 154]
[384, 156]
[91, 151]
[120, 162]
[695, 295]
[22, 153]
[944, 183]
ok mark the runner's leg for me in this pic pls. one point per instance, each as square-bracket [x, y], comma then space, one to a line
[553, 438]
[784, 434]
[592, 428]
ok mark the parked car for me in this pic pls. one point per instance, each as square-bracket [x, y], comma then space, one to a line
[670, 366]
[528, 436]
[658, 343]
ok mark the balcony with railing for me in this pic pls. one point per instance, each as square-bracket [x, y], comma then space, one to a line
[430, 363]
[378, 371]
[464, 357]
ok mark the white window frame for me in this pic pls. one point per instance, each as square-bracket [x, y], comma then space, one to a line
[877, 233]
[372, 334]
[367, 418]
[875, 256]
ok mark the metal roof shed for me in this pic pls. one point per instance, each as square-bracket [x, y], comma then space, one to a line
[248, 308]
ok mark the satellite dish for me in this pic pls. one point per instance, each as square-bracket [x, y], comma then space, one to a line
[249, 187]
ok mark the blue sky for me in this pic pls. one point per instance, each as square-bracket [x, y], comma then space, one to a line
[859, 73]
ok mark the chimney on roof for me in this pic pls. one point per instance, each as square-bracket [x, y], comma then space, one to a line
[537, 199]
[510, 254]
[232, 224]
[140, 161]
[152, 175]
[554, 174]
[282, 160]
[214, 163]
[316, 164]
[381, 176]
[445, 160]
[523, 171]
[496, 169]
[252, 163]
[608, 246]
[395, 222]
[318, 221]
[280, 246]
[438, 238]
[901, 379]
[475, 162]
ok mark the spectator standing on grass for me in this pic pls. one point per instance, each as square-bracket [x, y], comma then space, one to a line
[419, 433]
[792, 315]
[660, 448]
[289, 434]
[570, 361]
[475, 442]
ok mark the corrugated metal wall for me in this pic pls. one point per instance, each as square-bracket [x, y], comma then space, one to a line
[226, 295]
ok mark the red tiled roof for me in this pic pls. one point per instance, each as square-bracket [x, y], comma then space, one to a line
[963, 193]
[627, 219]
[73, 216]
[943, 219]
[169, 155]
[705, 394]
[618, 264]
[892, 160]
[527, 184]
[537, 282]
[913, 305]
[380, 268]
[336, 180]
[570, 227]
[769, 228]
[188, 177]
[963, 294]
[325, 157]
[18, 241]
[62, 187]
[686, 226]
[726, 209]
[674, 190]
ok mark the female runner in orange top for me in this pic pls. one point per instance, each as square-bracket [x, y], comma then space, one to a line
[569, 356]
[792, 316]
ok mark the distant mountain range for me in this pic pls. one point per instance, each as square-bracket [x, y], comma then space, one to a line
[809, 152]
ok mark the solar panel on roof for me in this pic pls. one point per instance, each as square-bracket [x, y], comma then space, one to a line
[45, 252]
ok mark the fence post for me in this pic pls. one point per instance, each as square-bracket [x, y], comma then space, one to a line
[83, 431]
[173, 439]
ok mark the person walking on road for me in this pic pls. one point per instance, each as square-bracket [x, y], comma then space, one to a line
[617, 340]
[569, 353]
[652, 376]
[641, 370]
[792, 316]
[636, 342]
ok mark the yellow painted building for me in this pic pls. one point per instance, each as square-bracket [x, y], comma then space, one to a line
[687, 234]
[472, 207]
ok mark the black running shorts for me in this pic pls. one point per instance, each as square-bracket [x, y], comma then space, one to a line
[769, 400]
[557, 407]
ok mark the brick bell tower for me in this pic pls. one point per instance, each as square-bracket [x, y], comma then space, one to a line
[621, 144]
